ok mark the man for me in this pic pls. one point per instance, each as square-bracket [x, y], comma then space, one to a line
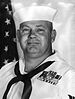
[40, 73]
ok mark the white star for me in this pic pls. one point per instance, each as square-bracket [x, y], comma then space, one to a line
[5, 61]
[10, 12]
[7, 8]
[14, 59]
[6, 48]
[6, 34]
[14, 39]
[7, 21]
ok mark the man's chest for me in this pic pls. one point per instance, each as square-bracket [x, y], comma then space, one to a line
[41, 90]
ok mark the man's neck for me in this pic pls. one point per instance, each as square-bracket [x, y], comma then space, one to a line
[32, 63]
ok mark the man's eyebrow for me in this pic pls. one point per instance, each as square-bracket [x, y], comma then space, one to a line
[22, 26]
[40, 26]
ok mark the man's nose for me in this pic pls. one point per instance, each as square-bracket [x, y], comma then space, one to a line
[32, 34]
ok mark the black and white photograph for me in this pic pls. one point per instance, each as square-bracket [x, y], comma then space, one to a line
[37, 49]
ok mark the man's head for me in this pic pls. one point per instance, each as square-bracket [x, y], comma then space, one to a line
[36, 32]
[36, 37]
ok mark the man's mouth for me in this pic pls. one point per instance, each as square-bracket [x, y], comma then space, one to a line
[32, 42]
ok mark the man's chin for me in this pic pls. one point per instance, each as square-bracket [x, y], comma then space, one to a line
[32, 49]
[32, 53]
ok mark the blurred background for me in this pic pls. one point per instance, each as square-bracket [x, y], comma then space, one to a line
[64, 23]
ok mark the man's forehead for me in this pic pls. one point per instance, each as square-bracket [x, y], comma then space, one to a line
[37, 23]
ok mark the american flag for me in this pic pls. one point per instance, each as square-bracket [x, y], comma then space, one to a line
[8, 49]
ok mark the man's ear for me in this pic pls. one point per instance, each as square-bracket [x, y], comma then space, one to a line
[18, 35]
[19, 49]
[53, 35]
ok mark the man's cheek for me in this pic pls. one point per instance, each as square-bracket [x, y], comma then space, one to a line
[24, 41]
[43, 41]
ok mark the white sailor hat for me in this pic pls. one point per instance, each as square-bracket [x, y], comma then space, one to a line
[32, 12]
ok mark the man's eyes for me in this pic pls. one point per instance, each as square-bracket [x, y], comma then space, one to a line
[25, 31]
[40, 30]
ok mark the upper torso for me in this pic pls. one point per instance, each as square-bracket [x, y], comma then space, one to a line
[41, 89]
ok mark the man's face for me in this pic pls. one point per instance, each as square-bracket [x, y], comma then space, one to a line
[35, 38]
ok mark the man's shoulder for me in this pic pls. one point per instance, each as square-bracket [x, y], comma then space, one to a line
[68, 82]
[6, 74]
[70, 75]
[7, 68]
